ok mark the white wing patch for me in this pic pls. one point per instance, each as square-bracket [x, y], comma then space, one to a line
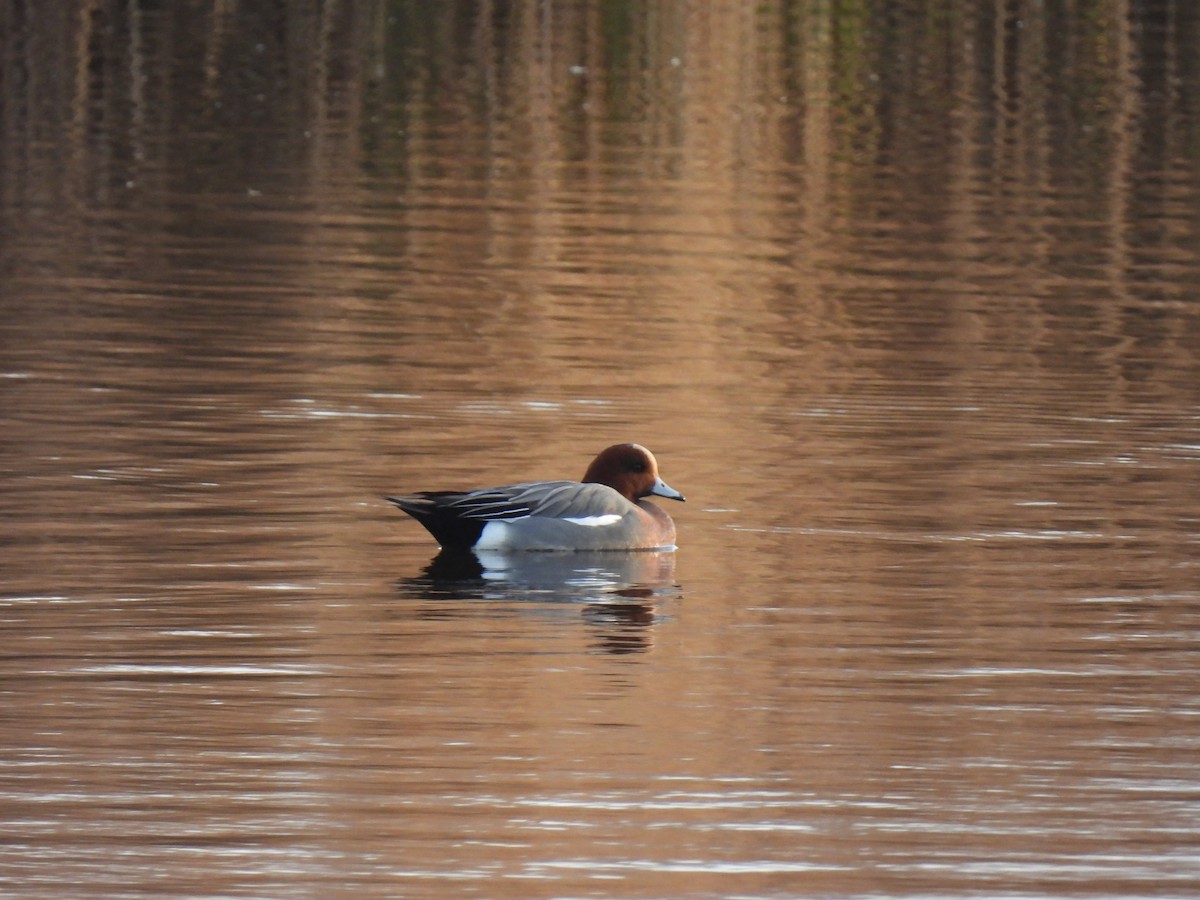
[594, 521]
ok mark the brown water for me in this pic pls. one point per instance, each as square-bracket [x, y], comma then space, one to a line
[903, 295]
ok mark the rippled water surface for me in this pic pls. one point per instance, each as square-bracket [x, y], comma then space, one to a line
[904, 299]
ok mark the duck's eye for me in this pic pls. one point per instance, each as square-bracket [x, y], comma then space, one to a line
[637, 465]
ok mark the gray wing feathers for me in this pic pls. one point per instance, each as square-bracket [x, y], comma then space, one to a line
[573, 500]
[556, 499]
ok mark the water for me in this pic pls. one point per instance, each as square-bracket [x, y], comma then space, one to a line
[903, 299]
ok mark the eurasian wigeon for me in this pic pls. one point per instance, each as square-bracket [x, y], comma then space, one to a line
[606, 510]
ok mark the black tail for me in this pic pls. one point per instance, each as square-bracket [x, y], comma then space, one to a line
[447, 528]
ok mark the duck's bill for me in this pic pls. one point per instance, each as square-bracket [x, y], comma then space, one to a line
[662, 489]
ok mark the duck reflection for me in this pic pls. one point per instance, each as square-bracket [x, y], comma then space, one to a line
[619, 592]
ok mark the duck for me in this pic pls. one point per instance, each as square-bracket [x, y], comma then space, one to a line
[607, 509]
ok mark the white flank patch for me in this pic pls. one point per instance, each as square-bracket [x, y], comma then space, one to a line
[495, 536]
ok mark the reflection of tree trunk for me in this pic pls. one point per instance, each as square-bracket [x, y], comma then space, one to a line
[214, 51]
[81, 100]
[1126, 130]
[814, 92]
